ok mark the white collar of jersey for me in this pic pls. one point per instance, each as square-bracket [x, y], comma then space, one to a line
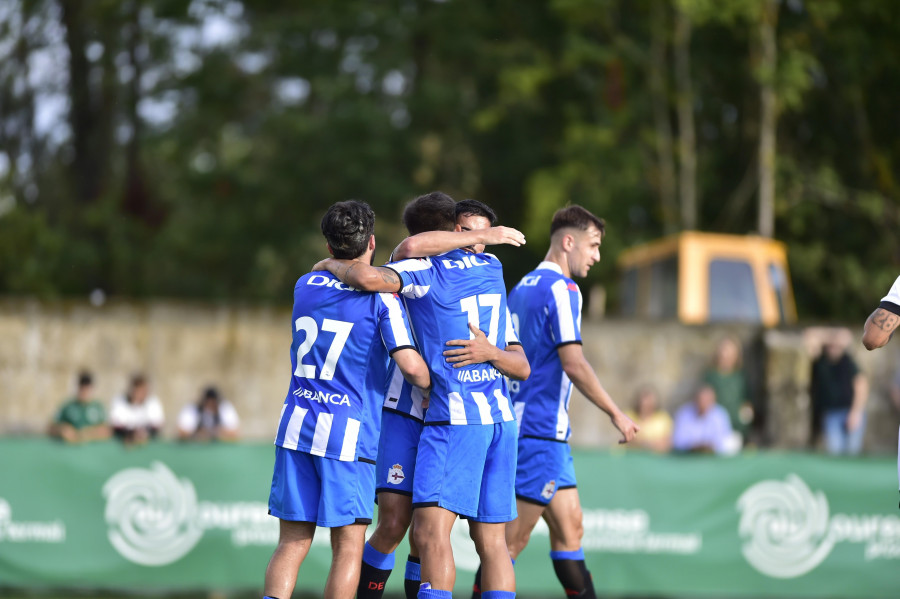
[550, 266]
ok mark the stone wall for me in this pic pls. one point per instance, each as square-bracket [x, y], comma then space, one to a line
[244, 350]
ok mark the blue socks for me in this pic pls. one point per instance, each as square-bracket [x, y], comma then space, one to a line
[376, 568]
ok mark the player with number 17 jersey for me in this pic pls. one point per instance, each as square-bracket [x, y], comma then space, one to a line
[445, 294]
[467, 453]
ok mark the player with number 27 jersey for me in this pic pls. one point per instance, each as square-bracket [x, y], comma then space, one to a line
[334, 410]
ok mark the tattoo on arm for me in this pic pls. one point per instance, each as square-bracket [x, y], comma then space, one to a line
[884, 320]
[389, 276]
[347, 270]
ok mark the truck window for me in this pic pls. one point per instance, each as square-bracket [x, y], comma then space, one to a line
[663, 299]
[732, 292]
[779, 284]
[629, 292]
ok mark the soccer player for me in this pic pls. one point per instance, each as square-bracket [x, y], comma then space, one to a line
[327, 437]
[546, 305]
[466, 458]
[403, 414]
[880, 327]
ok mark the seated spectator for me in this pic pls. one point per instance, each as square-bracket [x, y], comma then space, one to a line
[656, 424]
[136, 416]
[210, 419]
[703, 426]
[839, 392]
[81, 418]
[727, 379]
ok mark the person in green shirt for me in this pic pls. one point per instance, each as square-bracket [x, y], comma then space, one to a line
[727, 378]
[81, 418]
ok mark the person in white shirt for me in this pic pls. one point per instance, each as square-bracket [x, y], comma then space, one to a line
[212, 418]
[136, 416]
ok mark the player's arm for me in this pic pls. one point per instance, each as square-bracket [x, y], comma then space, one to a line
[413, 367]
[432, 243]
[582, 375]
[880, 325]
[362, 276]
[510, 361]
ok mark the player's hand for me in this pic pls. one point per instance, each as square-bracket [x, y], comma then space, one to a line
[320, 265]
[626, 426]
[503, 236]
[470, 351]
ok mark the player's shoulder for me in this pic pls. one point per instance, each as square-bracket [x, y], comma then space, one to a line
[410, 264]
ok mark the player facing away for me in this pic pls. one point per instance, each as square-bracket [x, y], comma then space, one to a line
[880, 327]
[466, 457]
[403, 414]
[546, 305]
[327, 440]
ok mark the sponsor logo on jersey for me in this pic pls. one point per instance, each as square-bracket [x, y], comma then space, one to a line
[478, 375]
[323, 281]
[335, 399]
[572, 287]
[466, 262]
[530, 280]
[395, 475]
[549, 488]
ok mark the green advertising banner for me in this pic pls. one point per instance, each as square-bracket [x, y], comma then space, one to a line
[193, 517]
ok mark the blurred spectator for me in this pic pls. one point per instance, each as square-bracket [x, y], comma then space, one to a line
[81, 418]
[727, 379]
[703, 426]
[210, 419]
[136, 416]
[656, 424]
[839, 392]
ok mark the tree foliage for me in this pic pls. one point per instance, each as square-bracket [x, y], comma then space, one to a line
[188, 148]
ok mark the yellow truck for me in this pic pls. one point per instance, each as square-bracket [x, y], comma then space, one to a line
[708, 277]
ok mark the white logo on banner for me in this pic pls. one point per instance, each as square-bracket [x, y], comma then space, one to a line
[788, 530]
[786, 526]
[152, 515]
[12, 531]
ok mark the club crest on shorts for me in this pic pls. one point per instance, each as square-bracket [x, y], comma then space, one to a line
[395, 474]
[549, 488]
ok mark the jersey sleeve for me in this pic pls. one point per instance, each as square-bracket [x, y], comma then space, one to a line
[511, 337]
[416, 276]
[891, 302]
[393, 323]
[564, 312]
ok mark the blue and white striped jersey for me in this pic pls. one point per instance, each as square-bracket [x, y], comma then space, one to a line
[546, 309]
[342, 340]
[444, 294]
[402, 397]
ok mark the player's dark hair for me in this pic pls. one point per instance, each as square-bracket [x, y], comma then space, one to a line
[85, 378]
[576, 217]
[435, 211]
[347, 227]
[469, 207]
[138, 380]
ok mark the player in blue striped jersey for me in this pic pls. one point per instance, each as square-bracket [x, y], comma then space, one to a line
[546, 307]
[327, 436]
[466, 459]
[403, 413]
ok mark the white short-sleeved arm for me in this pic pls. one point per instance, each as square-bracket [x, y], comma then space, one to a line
[188, 419]
[228, 416]
[155, 416]
[891, 301]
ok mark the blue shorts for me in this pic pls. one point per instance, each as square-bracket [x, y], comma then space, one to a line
[331, 493]
[469, 470]
[544, 468]
[397, 449]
